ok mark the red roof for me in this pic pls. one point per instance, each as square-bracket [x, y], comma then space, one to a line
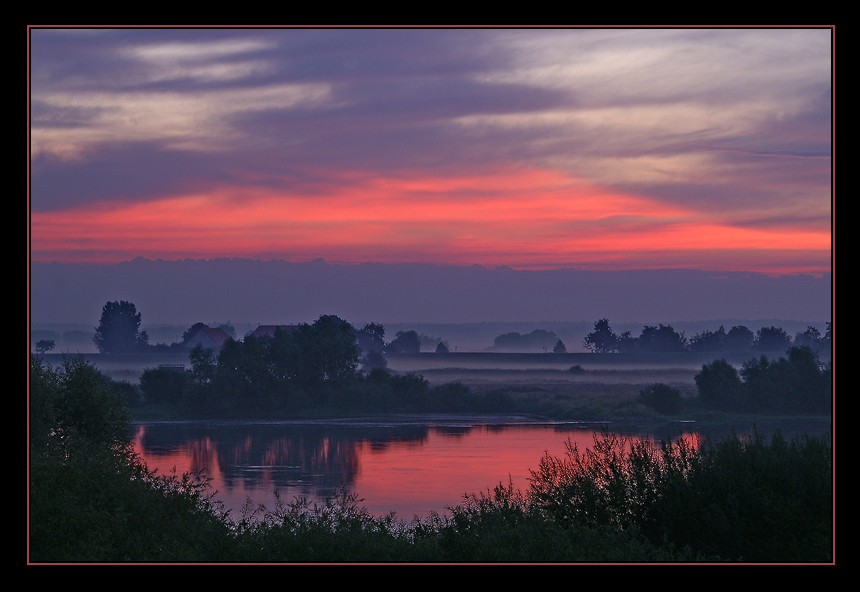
[216, 334]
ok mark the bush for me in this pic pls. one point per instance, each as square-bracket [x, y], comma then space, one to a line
[90, 497]
[661, 398]
[794, 384]
[165, 385]
[735, 500]
[75, 410]
[719, 385]
[409, 389]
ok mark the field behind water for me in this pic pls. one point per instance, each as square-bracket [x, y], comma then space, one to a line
[573, 384]
[476, 368]
[516, 369]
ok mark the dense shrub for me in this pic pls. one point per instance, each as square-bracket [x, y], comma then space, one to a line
[719, 385]
[165, 385]
[75, 410]
[735, 500]
[798, 383]
[661, 398]
[622, 500]
[90, 498]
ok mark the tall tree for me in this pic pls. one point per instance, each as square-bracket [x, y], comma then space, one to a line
[336, 353]
[708, 341]
[119, 329]
[662, 338]
[44, 345]
[406, 342]
[371, 337]
[189, 333]
[772, 339]
[739, 338]
[720, 386]
[602, 339]
[810, 338]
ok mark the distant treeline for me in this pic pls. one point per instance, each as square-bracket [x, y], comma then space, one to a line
[311, 366]
[332, 366]
[119, 331]
[664, 338]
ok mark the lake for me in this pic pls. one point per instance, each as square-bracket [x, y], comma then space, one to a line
[408, 464]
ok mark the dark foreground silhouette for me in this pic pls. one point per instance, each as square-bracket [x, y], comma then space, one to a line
[748, 500]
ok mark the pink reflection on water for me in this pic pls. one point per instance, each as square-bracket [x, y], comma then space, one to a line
[409, 477]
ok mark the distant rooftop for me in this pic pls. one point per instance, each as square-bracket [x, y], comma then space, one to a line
[208, 337]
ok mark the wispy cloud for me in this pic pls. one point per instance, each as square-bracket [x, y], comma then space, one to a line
[526, 147]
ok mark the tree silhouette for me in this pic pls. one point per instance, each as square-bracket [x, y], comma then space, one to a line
[602, 340]
[708, 341]
[810, 338]
[373, 359]
[772, 339]
[119, 329]
[189, 333]
[371, 337]
[739, 338]
[719, 385]
[662, 338]
[661, 397]
[406, 342]
[44, 345]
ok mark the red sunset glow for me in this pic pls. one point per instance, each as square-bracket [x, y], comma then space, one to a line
[523, 219]
[533, 149]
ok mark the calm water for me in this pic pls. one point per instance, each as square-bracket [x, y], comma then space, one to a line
[411, 465]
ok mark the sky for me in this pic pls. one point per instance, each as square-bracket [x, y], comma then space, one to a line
[533, 148]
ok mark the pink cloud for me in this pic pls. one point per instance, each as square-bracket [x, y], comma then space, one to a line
[526, 218]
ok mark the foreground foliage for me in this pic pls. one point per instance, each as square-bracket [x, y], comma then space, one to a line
[91, 499]
[752, 500]
[734, 500]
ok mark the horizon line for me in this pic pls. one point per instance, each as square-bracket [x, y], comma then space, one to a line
[818, 274]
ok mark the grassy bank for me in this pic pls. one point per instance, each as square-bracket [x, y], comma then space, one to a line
[736, 499]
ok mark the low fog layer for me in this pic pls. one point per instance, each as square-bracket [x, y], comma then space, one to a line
[278, 292]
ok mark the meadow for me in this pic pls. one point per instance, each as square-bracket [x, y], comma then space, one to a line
[584, 386]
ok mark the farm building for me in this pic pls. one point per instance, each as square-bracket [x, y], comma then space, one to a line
[208, 337]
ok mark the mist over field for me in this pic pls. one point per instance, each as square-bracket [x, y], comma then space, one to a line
[469, 304]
